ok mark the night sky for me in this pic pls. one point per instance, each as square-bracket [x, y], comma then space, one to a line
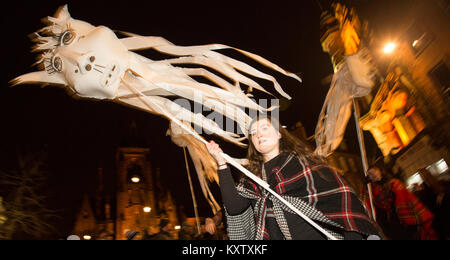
[83, 135]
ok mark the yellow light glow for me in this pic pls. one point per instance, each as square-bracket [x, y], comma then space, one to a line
[147, 209]
[87, 237]
[385, 117]
[415, 43]
[401, 132]
[135, 179]
[177, 227]
[399, 100]
[410, 112]
[389, 47]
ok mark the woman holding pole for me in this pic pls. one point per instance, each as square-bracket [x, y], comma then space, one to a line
[297, 176]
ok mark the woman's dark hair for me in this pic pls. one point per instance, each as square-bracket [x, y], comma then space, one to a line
[288, 143]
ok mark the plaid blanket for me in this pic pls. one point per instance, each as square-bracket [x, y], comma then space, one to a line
[319, 192]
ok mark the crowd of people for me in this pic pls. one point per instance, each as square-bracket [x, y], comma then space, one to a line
[211, 229]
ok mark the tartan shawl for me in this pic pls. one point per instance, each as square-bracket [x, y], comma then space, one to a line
[409, 210]
[318, 191]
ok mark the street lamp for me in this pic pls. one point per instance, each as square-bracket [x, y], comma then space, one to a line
[389, 47]
[87, 237]
[135, 179]
[147, 209]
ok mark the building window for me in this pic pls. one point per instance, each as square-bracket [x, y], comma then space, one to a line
[441, 75]
[438, 167]
[418, 38]
[414, 180]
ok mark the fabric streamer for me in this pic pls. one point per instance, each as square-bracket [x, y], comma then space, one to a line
[353, 78]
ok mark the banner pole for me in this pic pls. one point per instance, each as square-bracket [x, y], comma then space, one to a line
[362, 148]
[194, 201]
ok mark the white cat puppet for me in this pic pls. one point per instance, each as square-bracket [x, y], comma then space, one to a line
[92, 62]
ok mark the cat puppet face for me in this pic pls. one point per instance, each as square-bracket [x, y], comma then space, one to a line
[88, 60]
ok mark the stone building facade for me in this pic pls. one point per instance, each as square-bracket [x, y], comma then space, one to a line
[408, 107]
[136, 203]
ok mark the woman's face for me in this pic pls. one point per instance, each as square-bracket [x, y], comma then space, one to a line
[374, 174]
[264, 136]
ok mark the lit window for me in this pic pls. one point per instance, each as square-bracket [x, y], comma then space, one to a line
[441, 166]
[438, 167]
[413, 180]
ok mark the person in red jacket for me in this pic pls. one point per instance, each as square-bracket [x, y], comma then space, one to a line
[401, 215]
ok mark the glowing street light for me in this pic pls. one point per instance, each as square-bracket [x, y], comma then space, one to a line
[135, 179]
[147, 209]
[389, 47]
[87, 237]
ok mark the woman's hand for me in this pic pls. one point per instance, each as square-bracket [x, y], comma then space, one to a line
[216, 152]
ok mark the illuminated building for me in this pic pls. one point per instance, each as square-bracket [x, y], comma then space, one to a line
[410, 44]
[409, 113]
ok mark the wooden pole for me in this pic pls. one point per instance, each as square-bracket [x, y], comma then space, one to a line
[194, 201]
[362, 148]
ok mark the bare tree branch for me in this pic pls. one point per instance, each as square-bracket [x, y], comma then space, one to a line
[25, 209]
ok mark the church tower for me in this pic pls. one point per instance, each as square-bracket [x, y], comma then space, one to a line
[137, 202]
[135, 191]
